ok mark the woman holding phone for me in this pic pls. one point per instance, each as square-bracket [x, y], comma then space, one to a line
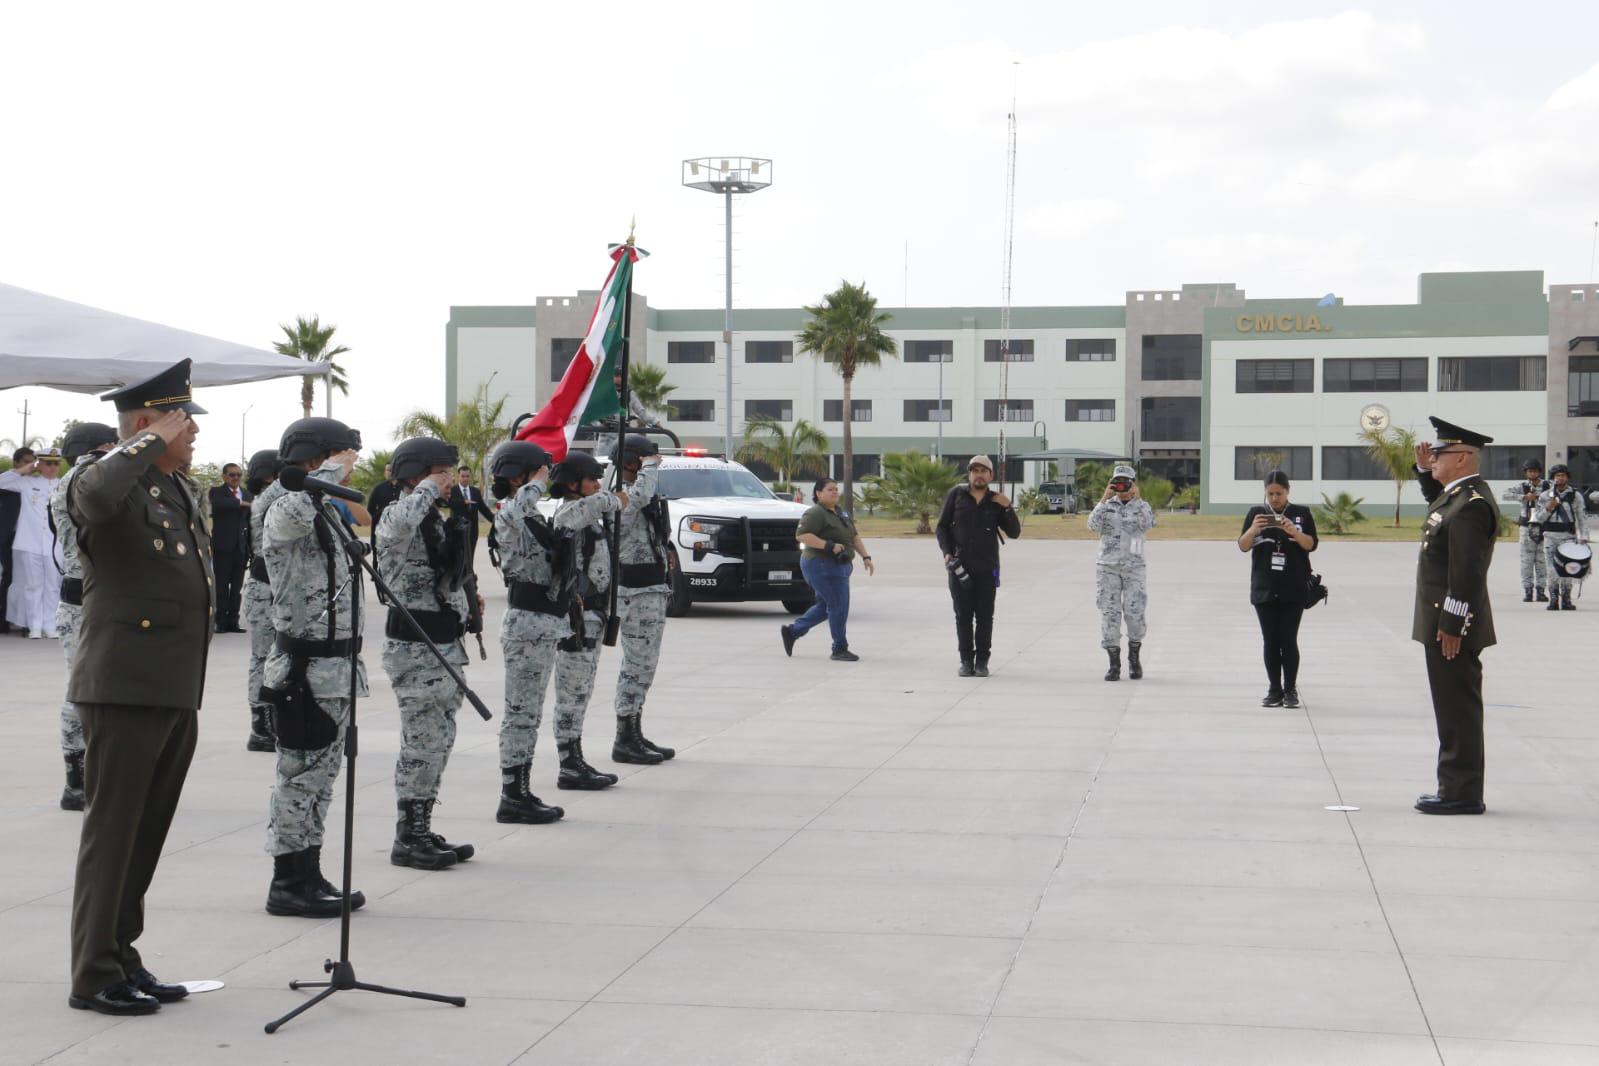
[1279, 537]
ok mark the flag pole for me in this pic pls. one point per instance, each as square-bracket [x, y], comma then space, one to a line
[613, 624]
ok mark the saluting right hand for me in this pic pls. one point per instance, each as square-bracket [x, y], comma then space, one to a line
[171, 425]
[442, 480]
[1424, 455]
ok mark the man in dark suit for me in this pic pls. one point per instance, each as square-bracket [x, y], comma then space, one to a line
[10, 509]
[467, 501]
[383, 493]
[148, 604]
[230, 544]
[1453, 619]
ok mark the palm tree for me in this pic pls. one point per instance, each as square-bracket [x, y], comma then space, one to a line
[475, 427]
[913, 484]
[1395, 451]
[369, 471]
[308, 339]
[648, 383]
[1337, 515]
[800, 451]
[846, 329]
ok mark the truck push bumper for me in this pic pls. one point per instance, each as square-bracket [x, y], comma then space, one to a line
[768, 570]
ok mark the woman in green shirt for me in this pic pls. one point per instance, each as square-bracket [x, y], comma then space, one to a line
[829, 545]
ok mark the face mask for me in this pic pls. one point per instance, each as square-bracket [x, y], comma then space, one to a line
[501, 487]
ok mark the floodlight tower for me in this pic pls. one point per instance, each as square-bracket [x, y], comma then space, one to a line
[728, 177]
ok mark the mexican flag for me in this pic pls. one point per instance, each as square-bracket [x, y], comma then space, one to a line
[586, 393]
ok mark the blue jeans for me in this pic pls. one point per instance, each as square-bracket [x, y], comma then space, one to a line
[830, 581]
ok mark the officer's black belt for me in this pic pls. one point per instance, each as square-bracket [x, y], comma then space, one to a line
[315, 648]
[643, 575]
[258, 569]
[72, 591]
[527, 596]
[441, 627]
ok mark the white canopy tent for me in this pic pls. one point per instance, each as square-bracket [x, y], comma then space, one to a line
[63, 345]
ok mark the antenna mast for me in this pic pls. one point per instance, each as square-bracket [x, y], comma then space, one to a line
[1005, 284]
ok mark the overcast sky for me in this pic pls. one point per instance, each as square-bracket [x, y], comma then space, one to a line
[221, 170]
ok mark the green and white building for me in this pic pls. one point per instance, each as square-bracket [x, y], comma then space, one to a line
[1201, 384]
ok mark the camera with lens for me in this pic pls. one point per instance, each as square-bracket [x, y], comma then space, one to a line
[1121, 484]
[958, 570]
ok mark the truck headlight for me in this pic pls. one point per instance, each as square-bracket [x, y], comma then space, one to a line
[700, 534]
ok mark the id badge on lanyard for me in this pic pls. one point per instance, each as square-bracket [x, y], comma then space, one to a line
[1279, 559]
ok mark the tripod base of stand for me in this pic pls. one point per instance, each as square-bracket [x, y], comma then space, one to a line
[342, 979]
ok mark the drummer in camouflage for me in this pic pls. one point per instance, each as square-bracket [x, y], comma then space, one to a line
[645, 554]
[424, 561]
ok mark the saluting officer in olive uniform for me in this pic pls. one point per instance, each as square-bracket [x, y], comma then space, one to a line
[1453, 619]
[641, 595]
[260, 475]
[148, 601]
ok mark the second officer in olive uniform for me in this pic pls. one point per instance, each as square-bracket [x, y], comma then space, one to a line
[1453, 619]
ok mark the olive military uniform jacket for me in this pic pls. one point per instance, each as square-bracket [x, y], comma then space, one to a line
[1457, 544]
[148, 591]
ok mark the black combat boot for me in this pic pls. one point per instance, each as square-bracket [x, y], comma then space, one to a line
[666, 752]
[463, 852]
[292, 893]
[1135, 669]
[629, 746]
[1565, 601]
[413, 839]
[517, 804]
[967, 669]
[1115, 671]
[1543, 597]
[262, 736]
[1526, 595]
[1554, 601]
[980, 666]
[576, 772]
[313, 876]
[72, 798]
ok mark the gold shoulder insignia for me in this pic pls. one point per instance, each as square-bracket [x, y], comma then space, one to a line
[1475, 495]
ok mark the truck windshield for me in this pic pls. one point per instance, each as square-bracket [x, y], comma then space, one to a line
[712, 481]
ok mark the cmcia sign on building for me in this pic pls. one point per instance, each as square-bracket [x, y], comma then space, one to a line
[1284, 323]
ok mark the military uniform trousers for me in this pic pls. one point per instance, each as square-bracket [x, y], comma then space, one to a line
[258, 616]
[1557, 579]
[300, 798]
[643, 613]
[1121, 596]
[1457, 705]
[428, 699]
[527, 640]
[68, 618]
[137, 758]
[1534, 563]
[574, 680]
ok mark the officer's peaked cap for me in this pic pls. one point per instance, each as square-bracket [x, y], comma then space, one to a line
[308, 438]
[84, 438]
[418, 456]
[1448, 433]
[166, 391]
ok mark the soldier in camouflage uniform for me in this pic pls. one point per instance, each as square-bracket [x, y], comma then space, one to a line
[85, 443]
[641, 596]
[1563, 517]
[534, 622]
[307, 673]
[261, 475]
[423, 562]
[1534, 565]
[576, 482]
[1121, 519]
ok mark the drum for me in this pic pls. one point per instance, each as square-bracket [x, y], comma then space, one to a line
[1573, 560]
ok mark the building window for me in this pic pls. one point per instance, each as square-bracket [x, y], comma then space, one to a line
[1020, 351]
[1090, 410]
[833, 410]
[691, 351]
[1507, 462]
[1007, 410]
[768, 351]
[1492, 373]
[1172, 357]
[1275, 375]
[1091, 350]
[562, 351]
[1582, 385]
[865, 466]
[928, 411]
[1254, 463]
[1374, 375]
[1350, 463]
[929, 351]
[777, 410]
[1168, 418]
[694, 410]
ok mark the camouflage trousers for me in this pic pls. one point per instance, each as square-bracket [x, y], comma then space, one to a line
[258, 616]
[304, 788]
[1557, 580]
[1534, 563]
[67, 620]
[428, 699]
[574, 680]
[643, 613]
[1121, 595]
[527, 640]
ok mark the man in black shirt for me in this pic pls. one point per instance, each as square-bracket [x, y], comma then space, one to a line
[384, 493]
[974, 521]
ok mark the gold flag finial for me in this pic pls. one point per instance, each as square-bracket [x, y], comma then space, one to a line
[632, 224]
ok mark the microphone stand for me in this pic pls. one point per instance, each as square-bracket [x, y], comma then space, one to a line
[342, 973]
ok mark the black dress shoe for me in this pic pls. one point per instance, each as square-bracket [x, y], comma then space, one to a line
[1274, 698]
[146, 982]
[980, 668]
[120, 999]
[967, 669]
[1439, 805]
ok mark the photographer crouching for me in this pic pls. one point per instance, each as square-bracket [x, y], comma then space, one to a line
[974, 520]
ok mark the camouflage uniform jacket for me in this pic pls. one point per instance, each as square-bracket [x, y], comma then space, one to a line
[298, 570]
[1121, 528]
[66, 532]
[579, 515]
[523, 558]
[404, 563]
[638, 537]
